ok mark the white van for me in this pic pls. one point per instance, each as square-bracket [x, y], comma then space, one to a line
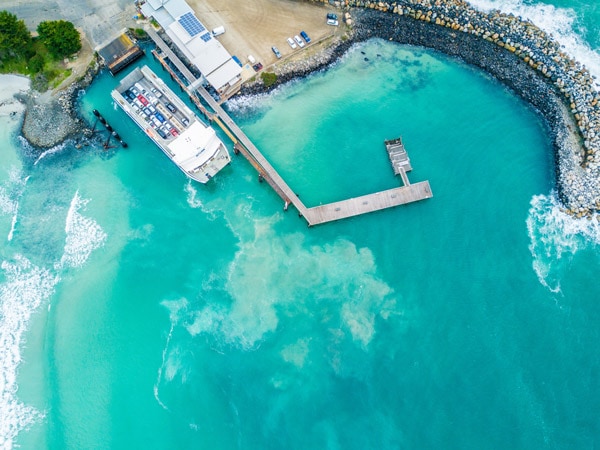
[217, 31]
[251, 59]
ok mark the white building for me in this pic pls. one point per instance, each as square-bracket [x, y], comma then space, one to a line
[196, 43]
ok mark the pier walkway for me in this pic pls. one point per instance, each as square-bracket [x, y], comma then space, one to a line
[242, 144]
[370, 203]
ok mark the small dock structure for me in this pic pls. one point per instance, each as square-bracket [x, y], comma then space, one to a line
[398, 156]
[118, 52]
[399, 159]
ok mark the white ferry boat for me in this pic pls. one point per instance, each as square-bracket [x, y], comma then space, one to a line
[193, 146]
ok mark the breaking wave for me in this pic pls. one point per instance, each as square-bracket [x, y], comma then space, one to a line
[559, 22]
[51, 151]
[24, 288]
[10, 194]
[245, 105]
[83, 235]
[555, 237]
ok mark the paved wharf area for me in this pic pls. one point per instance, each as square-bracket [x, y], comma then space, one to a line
[242, 144]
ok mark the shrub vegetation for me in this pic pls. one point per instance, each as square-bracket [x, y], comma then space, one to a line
[268, 78]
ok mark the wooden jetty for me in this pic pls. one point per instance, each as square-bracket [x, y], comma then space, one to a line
[369, 203]
[242, 144]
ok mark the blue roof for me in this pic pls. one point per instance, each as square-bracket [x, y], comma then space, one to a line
[191, 24]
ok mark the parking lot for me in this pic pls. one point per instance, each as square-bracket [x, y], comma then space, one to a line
[252, 27]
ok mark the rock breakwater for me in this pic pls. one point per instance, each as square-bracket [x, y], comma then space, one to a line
[52, 118]
[519, 54]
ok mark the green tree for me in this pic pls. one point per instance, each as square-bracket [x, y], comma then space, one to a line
[15, 39]
[36, 63]
[60, 37]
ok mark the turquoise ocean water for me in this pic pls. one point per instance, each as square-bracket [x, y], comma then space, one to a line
[140, 310]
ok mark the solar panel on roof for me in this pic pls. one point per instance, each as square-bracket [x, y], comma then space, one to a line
[205, 37]
[191, 24]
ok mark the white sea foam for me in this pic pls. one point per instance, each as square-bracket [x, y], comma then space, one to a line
[555, 237]
[51, 151]
[559, 22]
[250, 104]
[13, 223]
[243, 105]
[10, 194]
[161, 368]
[194, 201]
[25, 286]
[83, 235]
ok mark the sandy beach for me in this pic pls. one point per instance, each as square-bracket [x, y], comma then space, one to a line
[11, 85]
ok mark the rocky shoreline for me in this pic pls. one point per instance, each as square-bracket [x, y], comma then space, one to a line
[514, 51]
[51, 119]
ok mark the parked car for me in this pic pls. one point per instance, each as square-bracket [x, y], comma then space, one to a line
[299, 41]
[276, 51]
[305, 36]
[161, 132]
[292, 43]
[332, 19]
[171, 107]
